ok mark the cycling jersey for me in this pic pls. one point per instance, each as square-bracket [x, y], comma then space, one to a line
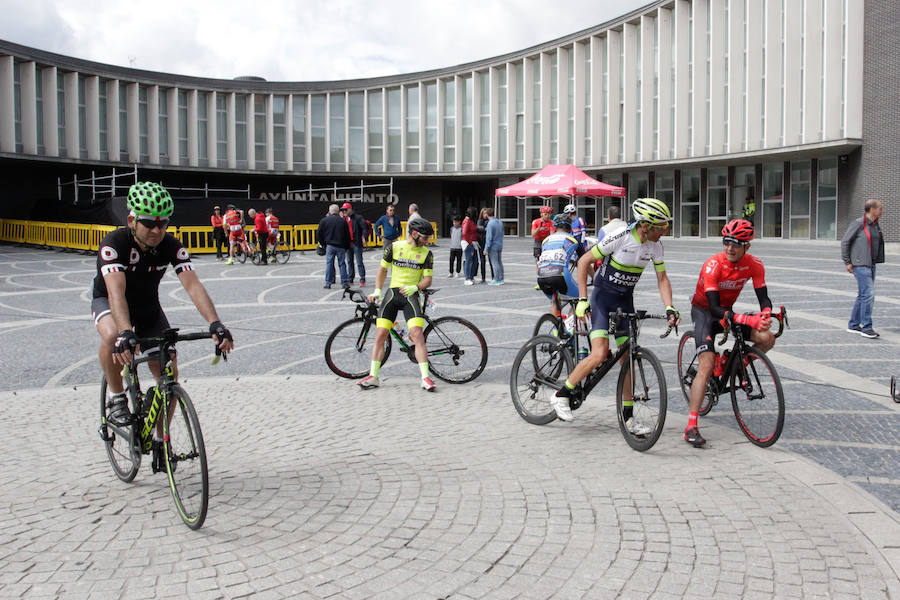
[541, 228]
[408, 263]
[719, 274]
[623, 258]
[119, 252]
[578, 229]
[559, 254]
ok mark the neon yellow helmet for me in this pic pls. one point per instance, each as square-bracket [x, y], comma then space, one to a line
[151, 199]
[651, 210]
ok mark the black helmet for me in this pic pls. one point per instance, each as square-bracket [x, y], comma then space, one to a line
[422, 226]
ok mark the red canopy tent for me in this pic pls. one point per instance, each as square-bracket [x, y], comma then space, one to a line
[561, 180]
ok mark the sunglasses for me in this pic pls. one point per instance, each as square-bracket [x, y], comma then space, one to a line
[733, 243]
[662, 227]
[153, 223]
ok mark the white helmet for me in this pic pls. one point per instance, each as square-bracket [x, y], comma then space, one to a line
[570, 208]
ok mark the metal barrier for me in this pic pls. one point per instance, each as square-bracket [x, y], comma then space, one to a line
[198, 240]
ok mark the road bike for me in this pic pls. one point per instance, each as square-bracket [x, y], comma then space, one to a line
[242, 250]
[543, 364]
[457, 352]
[281, 253]
[559, 326]
[746, 374]
[168, 409]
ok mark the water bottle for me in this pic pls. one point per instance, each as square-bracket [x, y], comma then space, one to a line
[721, 361]
[400, 331]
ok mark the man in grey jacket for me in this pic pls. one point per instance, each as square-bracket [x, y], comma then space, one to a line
[862, 247]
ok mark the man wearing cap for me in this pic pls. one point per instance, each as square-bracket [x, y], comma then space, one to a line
[218, 231]
[357, 226]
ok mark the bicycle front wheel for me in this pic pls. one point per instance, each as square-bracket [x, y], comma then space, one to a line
[241, 255]
[538, 371]
[688, 363]
[348, 350]
[186, 458]
[647, 390]
[548, 324]
[757, 398]
[282, 253]
[122, 449]
[457, 352]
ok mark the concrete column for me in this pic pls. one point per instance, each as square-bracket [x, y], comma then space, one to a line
[853, 92]
[494, 119]
[70, 82]
[477, 93]
[28, 102]
[440, 125]
[700, 116]
[682, 45]
[172, 125]
[7, 105]
[773, 101]
[270, 132]
[459, 101]
[545, 109]
[614, 111]
[193, 144]
[511, 92]
[718, 78]
[833, 25]
[753, 80]
[647, 124]
[289, 131]
[132, 97]
[92, 116]
[812, 76]
[630, 100]
[422, 109]
[737, 77]
[562, 105]
[112, 119]
[153, 123]
[212, 124]
[578, 56]
[665, 95]
[528, 67]
[793, 74]
[596, 99]
[51, 114]
[251, 132]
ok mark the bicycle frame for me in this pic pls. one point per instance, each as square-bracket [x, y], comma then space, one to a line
[144, 425]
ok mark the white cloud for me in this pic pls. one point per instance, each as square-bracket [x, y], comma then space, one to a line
[284, 40]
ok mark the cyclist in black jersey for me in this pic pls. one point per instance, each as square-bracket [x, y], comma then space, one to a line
[131, 262]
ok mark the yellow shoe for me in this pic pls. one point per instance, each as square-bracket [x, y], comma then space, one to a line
[230, 261]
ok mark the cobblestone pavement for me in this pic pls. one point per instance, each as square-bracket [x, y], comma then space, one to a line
[320, 490]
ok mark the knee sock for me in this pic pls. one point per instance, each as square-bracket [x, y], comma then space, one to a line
[692, 419]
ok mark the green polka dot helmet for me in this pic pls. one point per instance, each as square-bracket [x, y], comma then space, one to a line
[150, 199]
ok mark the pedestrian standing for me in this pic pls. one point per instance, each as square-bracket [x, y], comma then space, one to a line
[218, 227]
[414, 212]
[470, 239]
[356, 223]
[862, 247]
[335, 236]
[262, 234]
[390, 226]
[455, 247]
[482, 256]
[614, 221]
[493, 246]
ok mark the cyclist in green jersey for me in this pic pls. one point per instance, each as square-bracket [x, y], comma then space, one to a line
[411, 265]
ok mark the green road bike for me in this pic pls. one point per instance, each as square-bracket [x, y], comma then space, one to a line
[167, 408]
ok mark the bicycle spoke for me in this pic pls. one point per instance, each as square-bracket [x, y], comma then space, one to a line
[539, 370]
[757, 398]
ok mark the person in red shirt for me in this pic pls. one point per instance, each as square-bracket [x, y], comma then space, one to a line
[234, 221]
[722, 278]
[272, 224]
[541, 228]
[262, 235]
[469, 241]
[218, 231]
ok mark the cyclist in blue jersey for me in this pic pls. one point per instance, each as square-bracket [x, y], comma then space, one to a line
[560, 252]
[623, 256]
[579, 227]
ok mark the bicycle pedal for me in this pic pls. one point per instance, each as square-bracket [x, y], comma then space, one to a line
[106, 437]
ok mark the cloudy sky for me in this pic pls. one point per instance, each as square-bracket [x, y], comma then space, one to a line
[296, 40]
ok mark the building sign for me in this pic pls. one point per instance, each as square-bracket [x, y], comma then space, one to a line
[374, 198]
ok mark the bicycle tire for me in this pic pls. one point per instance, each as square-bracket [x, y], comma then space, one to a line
[348, 350]
[548, 324]
[240, 255]
[758, 405]
[124, 455]
[282, 253]
[186, 458]
[460, 353]
[687, 347]
[256, 257]
[540, 368]
[650, 399]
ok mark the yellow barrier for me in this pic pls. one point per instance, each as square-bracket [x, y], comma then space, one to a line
[198, 240]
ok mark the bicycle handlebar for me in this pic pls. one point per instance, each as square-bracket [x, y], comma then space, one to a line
[363, 298]
[638, 315]
[172, 337]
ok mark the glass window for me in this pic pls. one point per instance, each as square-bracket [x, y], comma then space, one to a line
[554, 108]
[665, 191]
[39, 106]
[537, 161]
[82, 119]
[716, 200]
[163, 102]
[221, 130]
[431, 125]
[502, 117]
[260, 130]
[298, 118]
[395, 129]
[743, 191]
[773, 197]
[182, 126]
[142, 124]
[317, 131]
[17, 107]
[336, 133]
[279, 131]
[104, 142]
[690, 202]
[449, 157]
[240, 130]
[123, 121]
[800, 196]
[412, 128]
[376, 131]
[356, 121]
[203, 128]
[484, 121]
[508, 213]
[468, 84]
[826, 205]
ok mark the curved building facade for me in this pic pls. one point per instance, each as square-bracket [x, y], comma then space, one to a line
[706, 104]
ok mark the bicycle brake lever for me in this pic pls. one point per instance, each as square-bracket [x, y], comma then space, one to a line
[219, 356]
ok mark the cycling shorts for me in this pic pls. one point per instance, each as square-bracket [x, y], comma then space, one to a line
[538, 248]
[604, 302]
[236, 236]
[553, 284]
[393, 303]
[706, 327]
[149, 322]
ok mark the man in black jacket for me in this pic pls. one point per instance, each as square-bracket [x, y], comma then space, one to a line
[861, 249]
[357, 225]
[335, 236]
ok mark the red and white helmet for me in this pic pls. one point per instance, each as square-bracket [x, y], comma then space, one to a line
[738, 230]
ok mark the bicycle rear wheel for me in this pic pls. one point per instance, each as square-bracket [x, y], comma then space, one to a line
[540, 368]
[457, 352]
[757, 398]
[241, 255]
[348, 350]
[548, 324]
[650, 400]
[282, 253]
[688, 361]
[186, 458]
[122, 449]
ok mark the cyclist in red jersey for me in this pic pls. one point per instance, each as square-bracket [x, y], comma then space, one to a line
[722, 278]
[541, 228]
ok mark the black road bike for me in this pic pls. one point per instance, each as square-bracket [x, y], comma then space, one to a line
[167, 408]
[744, 372]
[543, 364]
[457, 352]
